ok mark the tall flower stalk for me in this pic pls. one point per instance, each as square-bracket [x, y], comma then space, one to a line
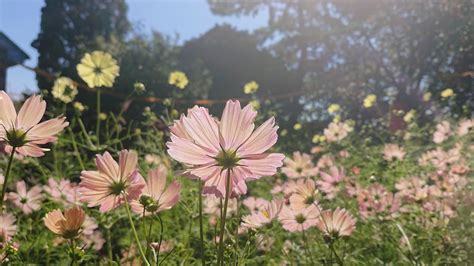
[135, 235]
[223, 220]
[7, 174]
[224, 154]
[23, 133]
[201, 228]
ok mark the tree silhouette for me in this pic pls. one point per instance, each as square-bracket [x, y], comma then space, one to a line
[233, 59]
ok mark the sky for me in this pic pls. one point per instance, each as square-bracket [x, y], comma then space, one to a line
[20, 21]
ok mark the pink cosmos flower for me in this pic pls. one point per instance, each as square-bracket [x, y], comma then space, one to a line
[465, 126]
[213, 205]
[344, 154]
[305, 195]
[337, 131]
[300, 166]
[336, 223]
[441, 159]
[443, 131]
[255, 204]
[7, 226]
[27, 201]
[154, 194]
[329, 182]
[62, 191]
[326, 161]
[393, 152]
[24, 130]
[264, 216]
[287, 188]
[298, 220]
[376, 200]
[232, 146]
[264, 242]
[95, 240]
[165, 247]
[113, 182]
[67, 224]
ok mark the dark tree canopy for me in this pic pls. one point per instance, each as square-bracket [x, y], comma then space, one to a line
[233, 59]
[69, 28]
[346, 49]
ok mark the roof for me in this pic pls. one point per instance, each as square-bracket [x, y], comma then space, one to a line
[9, 50]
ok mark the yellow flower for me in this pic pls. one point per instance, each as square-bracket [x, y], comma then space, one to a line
[297, 126]
[318, 138]
[447, 93]
[98, 69]
[255, 104]
[139, 87]
[102, 116]
[427, 96]
[333, 108]
[64, 89]
[178, 79]
[337, 118]
[79, 107]
[370, 100]
[409, 116]
[251, 87]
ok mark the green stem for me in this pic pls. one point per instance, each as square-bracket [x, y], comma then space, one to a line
[161, 239]
[308, 253]
[85, 133]
[109, 247]
[97, 129]
[5, 181]
[220, 258]
[201, 229]
[140, 249]
[73, 252]
[339, 260]
[76, 150]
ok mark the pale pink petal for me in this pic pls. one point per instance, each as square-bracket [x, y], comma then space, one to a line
[44, 132]
[261, 140]
[236, 124]
[31, 112]
[187, 152]
[128, 163]
[156, 181]
[107, 165]
[7, 110]
[203, 130]
[263, 164]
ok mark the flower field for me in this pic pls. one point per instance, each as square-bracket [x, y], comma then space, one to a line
[228, 189]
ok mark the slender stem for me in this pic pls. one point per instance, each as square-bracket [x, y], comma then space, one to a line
[76, 150]
[161, 239]
[73, 252]
[97, 129]
[220, 257]
[339, 260]
[140, 249]
[201, 229]
[109, 246]
[85, 133]
[5, 181]
[305, 240]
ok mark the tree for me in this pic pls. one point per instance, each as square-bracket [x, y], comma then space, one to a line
[233, 59]
[345, 50]
[69, 28]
